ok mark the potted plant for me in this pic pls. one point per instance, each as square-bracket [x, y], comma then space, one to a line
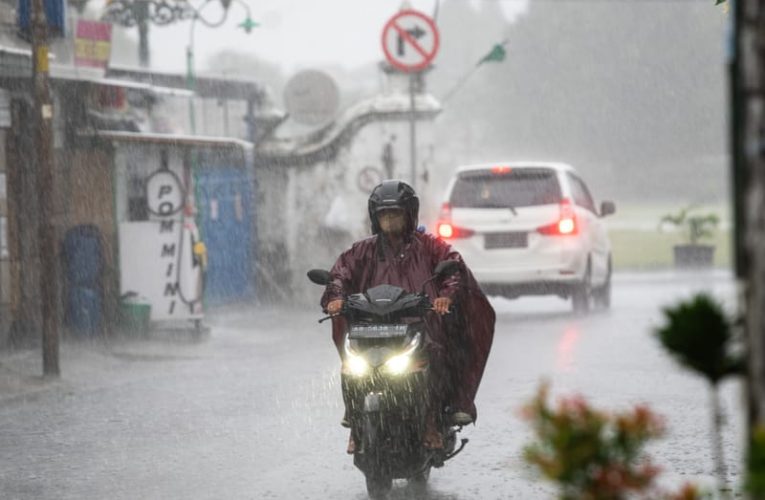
[697, 227]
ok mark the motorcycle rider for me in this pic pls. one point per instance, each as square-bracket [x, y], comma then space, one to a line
[397, 254]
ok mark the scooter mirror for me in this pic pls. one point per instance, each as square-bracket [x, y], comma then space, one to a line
[446, 268]
[319, 276]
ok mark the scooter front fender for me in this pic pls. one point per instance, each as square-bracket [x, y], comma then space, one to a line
[373, 402]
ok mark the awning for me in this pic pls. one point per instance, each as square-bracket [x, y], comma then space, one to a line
[17, 64]
[172, 139]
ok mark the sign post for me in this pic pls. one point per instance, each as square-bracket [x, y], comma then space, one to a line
[410, 42]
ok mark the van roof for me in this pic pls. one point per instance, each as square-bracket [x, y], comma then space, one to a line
[561, 167]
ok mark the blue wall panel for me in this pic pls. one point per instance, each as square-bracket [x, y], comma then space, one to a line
[225, 204]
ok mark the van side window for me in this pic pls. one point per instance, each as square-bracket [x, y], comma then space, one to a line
[581, 194]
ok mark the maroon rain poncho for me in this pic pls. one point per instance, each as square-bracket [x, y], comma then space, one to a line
[460, 340]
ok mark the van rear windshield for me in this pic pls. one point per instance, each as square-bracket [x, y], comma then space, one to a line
[518, 188]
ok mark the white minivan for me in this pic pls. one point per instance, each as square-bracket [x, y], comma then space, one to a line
[530, 229]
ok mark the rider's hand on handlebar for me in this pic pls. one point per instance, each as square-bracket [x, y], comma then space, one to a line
[442, 304]
[334, 307]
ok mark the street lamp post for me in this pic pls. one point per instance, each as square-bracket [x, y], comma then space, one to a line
[247, 25]
[142, 13]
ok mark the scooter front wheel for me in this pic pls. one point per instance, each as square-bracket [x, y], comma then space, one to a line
[419, 482]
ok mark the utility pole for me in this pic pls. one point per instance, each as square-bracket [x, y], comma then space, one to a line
[44, 168]
[748, 141]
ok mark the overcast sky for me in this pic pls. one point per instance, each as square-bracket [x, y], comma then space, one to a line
[297, 34]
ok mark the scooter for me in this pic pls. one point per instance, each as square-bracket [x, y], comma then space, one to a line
[385, 370]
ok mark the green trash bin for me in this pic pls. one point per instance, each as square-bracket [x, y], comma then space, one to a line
[135, 314]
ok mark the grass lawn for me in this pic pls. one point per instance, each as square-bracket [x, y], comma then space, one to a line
[645, 249]
[637, 242]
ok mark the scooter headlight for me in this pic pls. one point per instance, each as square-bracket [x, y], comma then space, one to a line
[399, 364]
[356, 364]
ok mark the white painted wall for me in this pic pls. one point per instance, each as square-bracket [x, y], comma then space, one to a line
[316, 211]
[313, 190]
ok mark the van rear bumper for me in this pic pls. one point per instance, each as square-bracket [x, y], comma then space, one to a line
[562, 289]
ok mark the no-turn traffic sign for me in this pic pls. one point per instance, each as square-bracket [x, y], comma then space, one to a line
[369, 178]
[410, 40]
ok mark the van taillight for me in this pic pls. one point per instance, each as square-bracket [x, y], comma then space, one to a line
[445, 230]
[566, 225]
[448, 231]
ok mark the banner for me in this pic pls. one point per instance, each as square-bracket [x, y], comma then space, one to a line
[92, 44]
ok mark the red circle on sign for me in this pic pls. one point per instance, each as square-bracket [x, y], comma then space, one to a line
[428, 56]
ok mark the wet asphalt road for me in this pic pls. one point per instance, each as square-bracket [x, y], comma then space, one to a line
[253, 411]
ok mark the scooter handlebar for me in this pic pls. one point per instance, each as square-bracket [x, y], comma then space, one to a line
[427, 306]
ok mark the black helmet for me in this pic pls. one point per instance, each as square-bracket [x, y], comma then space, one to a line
[394, 194]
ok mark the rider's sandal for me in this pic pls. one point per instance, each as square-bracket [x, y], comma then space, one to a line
[351, 445]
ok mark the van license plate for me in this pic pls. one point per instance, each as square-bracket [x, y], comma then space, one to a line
[506, 240]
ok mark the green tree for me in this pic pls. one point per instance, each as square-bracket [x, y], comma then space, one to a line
[613, 87]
